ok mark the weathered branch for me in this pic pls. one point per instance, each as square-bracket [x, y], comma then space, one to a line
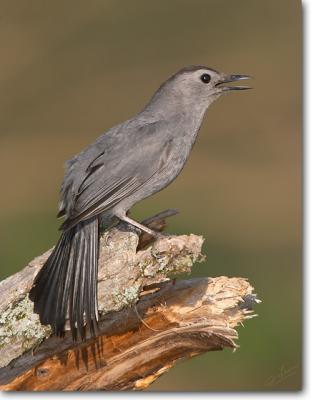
[148, 322]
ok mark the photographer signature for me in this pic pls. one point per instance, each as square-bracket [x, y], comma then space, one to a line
[282, 375]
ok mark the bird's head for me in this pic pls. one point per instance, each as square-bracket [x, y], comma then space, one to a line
[200, 85]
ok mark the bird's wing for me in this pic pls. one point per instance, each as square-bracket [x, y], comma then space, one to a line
[115, 173]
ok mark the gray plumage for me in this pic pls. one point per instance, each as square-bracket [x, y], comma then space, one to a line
[128, 163]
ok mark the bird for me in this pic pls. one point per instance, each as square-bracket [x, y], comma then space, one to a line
[126, 164]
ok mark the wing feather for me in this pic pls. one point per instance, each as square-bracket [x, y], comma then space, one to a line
[103, 200]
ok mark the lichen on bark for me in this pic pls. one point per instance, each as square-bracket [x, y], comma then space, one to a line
[20, 328]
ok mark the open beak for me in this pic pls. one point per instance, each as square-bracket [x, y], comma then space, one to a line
[232, 78]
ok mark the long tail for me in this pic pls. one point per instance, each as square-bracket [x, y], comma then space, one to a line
[68, 281]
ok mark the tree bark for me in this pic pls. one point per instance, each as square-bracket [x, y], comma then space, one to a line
[147, 321]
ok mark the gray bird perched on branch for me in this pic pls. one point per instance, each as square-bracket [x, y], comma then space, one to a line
[128, 163]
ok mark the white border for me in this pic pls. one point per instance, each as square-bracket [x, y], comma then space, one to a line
[307, 254]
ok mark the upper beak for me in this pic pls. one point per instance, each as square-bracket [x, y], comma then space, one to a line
[232, 78]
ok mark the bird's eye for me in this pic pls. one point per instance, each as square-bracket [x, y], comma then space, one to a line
[205, 78]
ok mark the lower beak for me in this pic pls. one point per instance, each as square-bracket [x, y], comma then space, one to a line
[232, 78]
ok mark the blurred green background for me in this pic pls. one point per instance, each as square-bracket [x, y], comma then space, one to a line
[71, 69]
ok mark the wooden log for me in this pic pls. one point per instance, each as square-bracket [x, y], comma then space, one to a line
[147, 322]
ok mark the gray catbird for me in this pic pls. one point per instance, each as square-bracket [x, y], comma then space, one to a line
[128, 163]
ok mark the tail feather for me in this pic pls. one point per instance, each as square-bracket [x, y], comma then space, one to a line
[63, 288]
[55, 295]
[46, 285]
[77, 297]
[68, 282]
[92, 282]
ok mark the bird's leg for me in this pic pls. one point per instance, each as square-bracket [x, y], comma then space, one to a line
[130, 221]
